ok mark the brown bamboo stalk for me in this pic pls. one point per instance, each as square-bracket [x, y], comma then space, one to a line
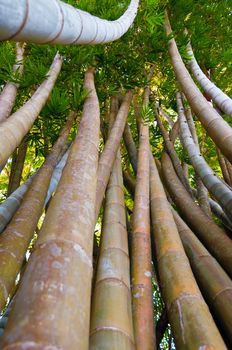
[129, 182]
[52, 307]
[16, 237]
[19, 123]
[218, 129]
[111, 318]
[17, 167]
[214, 283]
[9, 92]
[211, 235]
[108, 155]
[191, 322]
[141, 251]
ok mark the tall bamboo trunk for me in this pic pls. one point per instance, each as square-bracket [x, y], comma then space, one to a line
[141, 251]
[191, 322]
[223, 101]
[111, 318]
[52, 306]
[9, 92]
[108, 155]
[202, 193]
[19, 123]
[211, 235]
[15, 239]
[215, 284]
[218, 189]
[218, 129]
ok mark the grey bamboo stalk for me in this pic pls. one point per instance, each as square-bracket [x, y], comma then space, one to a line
[9, 92]
[16, 237]
[185, 306]
[12, 203]
[217, 128]
[57, 279]
[111, 316]
[202, 193]
[223, 101]
[19, 123]
[59, 23]
[56, 176]
[141, 251]
[215, 284]
[108, 155]
[219, 190]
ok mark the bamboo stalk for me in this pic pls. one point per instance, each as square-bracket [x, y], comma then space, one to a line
[111, 318]
[214, 283]
[9, 92]
[191, 322]
[19, 123]
[57, 280]
[211, 235]
[217, 128]
[141, 251]
[15, 239]
[108, 155]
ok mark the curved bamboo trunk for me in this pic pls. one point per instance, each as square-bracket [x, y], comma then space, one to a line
[12, 203]
[141, 251]
[57, 280]
[15, 239]
[217, 128]
[108, 155]
[191, 322]
[216, 187]
[212, 236]
[214, 283]
[202, 193]
[17, 166]
[129, 182]
[19, 123]
[111, 317]
[223, 101]
[9, 92]
[56, 22]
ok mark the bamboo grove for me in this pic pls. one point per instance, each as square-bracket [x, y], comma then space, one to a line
[116, 177]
